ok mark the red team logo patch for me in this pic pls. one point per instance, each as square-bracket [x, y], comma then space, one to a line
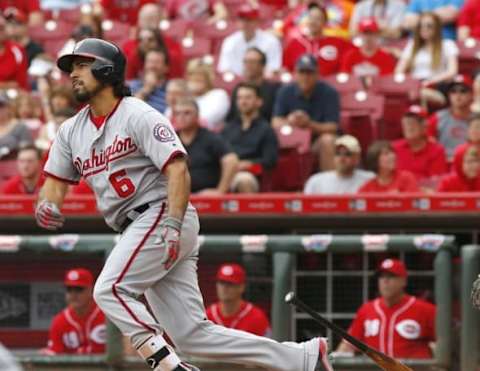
[163, 133]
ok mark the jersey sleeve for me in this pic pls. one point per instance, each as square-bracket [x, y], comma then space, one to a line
[55, 344]
[156, 138]
[60, 162]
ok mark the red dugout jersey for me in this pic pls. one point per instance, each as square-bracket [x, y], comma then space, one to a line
[402, 331]
[72, 334]
[249, 318]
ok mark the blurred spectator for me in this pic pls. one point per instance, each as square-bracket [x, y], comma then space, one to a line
[151, 88]
[29, 178]
[346, 178]
[26, 107]
[31, 8]
[49, 130]
[176, 89]
[17, 30]
[469, 20]
[195, 10]
[446, 10]
[297, 104]
[473, 133]
[80, 328]
[476, 94]
[429, 58]
[417, 153]
[327, 49]
[55, 97]
[254, 61]
[388, 14]
[8, 361]
[13, 133]
[338, 11]
[465, 174]
[150, 39]
[231, 310]
[382, 160]
[213, 163]
[122, 10]
[449, 126]
[369, 59]
[213, 103]
[250, 35]
[13, 60]
[252, 139]
[89, 25]
[401, 325]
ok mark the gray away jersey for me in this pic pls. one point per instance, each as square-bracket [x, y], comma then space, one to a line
[121, 161]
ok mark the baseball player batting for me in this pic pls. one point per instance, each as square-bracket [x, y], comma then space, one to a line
[130, 156]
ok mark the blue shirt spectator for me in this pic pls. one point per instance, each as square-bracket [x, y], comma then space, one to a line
[447, 10]
[152, 87]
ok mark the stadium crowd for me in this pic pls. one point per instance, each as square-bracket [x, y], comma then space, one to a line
[257, 88]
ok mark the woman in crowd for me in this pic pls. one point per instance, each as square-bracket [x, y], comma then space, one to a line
[13, 132]
[212, 103]
[430, 58]
[465, 174]
[381, 159]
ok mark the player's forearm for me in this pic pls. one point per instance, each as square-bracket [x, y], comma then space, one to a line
[54, 191]
[178, 188]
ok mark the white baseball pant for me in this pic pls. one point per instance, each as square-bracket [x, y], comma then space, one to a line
[134, 268]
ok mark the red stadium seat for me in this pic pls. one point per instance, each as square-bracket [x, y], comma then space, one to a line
[195, 47]
[175, 28]
[8, 168]
[68, 15]
[52, 35]
[292, 137]
[360, 116]
[399, 92]
[469, 56]
[215, 32]
[344, 83]
[116, 32]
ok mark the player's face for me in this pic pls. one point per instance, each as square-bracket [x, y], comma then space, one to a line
[345, 160]
[387, 160]
[186, 117]
[229, 292]
[460, 96]
[247, 101]
[28, 164]
[84, 84]
[471, 166]
[412, 128]
[391, 286]
[78, 297]
[474, 131]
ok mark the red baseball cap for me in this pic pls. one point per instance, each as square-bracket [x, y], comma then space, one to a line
[464, 80]
[232, 273]
[393, 266]
[79, 277]
[248, 12]
[15, 15]
[416, 110]
[368, 24]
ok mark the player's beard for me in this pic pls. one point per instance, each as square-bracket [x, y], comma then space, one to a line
[85, 95]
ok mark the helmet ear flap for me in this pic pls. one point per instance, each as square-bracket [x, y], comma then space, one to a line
[104, 73]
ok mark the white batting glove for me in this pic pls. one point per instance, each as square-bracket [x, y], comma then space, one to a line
[49, 216]
[169, 240]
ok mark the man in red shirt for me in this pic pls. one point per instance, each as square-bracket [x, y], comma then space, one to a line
[13, 60]
[396, 323]
[327, 49]
[369, 59]
[29, 179]
[80, 328]
[468, 22]
[29, 7]
[232, 311]
[417, 153]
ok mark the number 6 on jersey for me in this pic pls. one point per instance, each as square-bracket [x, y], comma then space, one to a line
[121, 183]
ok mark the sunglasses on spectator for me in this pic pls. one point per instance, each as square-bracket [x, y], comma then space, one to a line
[343, 153]
[76, 289]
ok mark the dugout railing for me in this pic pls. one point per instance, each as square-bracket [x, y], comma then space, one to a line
[286, 254]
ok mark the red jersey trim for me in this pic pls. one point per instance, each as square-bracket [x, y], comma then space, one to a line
[127, 267]
[173, 156]
[99, 125]
[383, 324]
[69, 181]
[393, 319]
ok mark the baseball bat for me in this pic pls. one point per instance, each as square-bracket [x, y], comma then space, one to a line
[382, 360]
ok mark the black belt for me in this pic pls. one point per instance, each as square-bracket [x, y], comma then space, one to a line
[140, 209]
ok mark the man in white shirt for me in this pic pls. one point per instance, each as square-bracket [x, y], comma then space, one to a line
[250, 35]
[346, 178]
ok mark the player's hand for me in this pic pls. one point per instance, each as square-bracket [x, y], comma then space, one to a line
[169, 240]
[49, 216]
